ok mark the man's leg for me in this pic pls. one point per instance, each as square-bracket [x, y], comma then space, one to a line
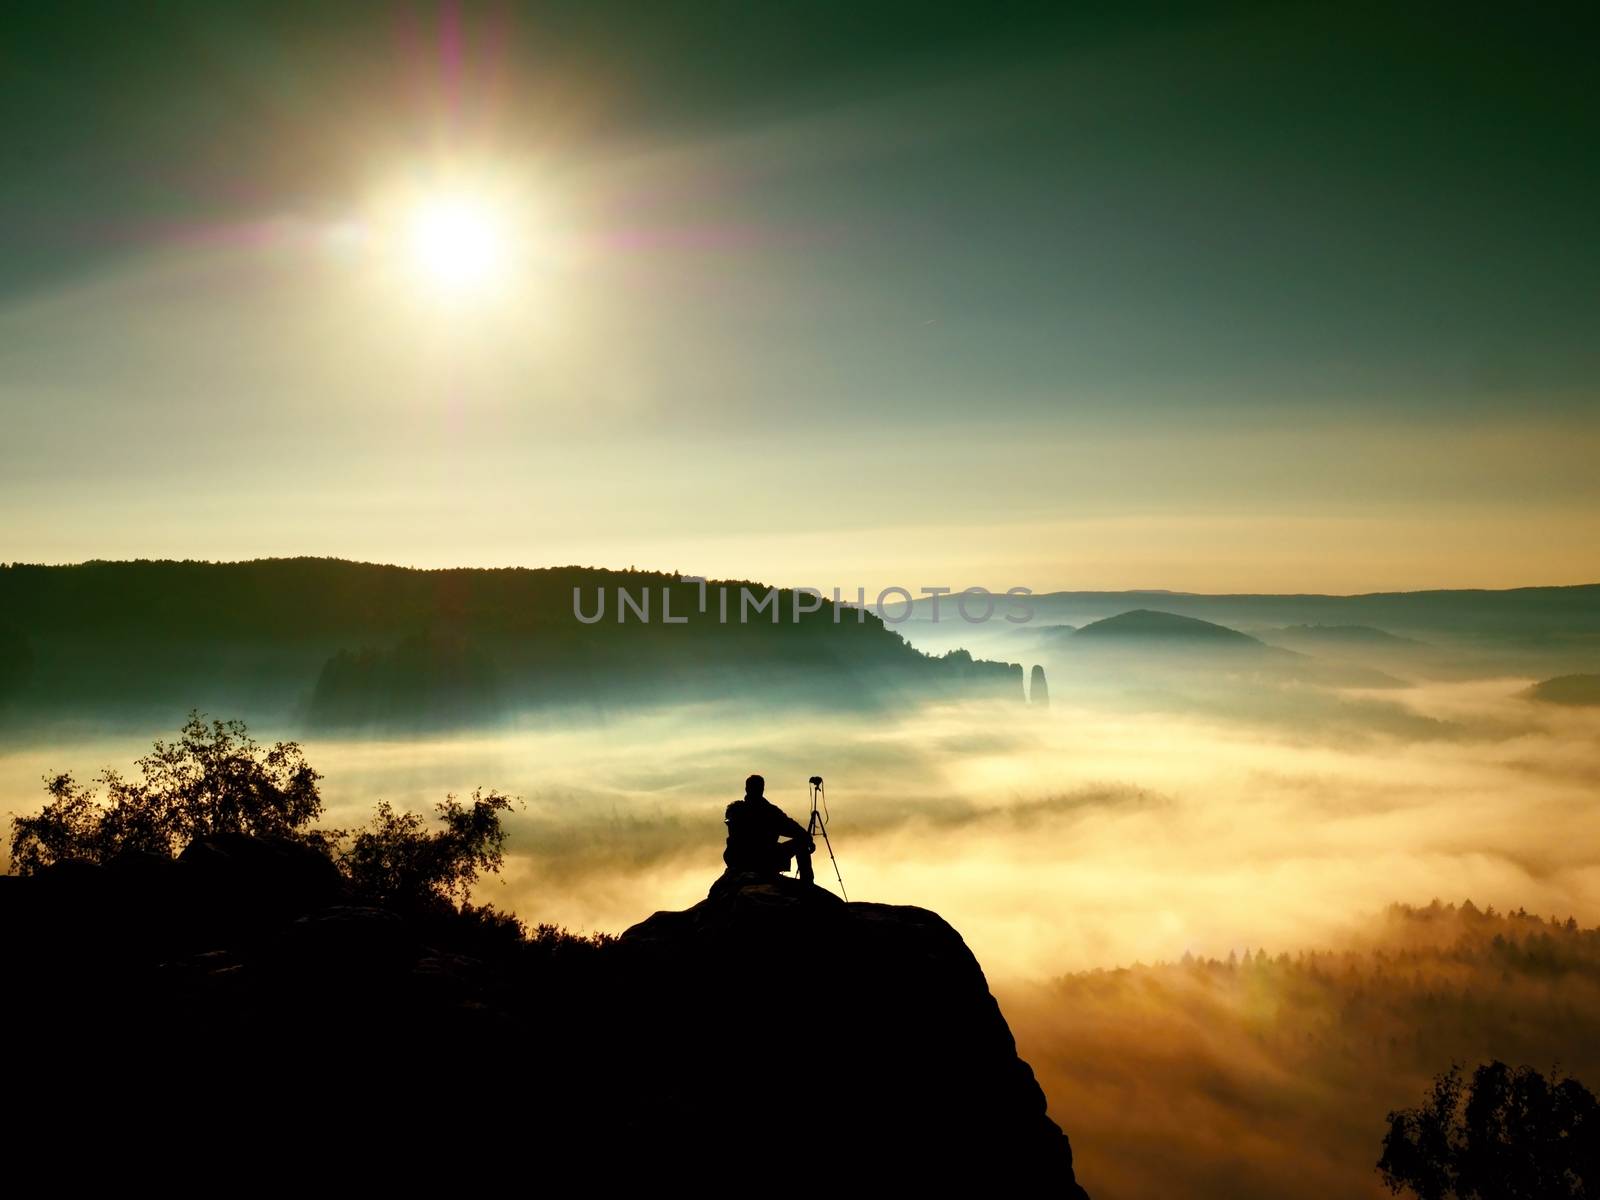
[796, 849]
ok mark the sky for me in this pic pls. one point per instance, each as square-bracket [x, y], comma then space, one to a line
[1251, 298]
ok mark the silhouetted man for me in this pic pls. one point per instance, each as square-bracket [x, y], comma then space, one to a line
[755, 827]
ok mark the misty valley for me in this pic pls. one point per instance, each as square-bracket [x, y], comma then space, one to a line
[1204, 873]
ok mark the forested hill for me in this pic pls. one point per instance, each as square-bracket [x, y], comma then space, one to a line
[297, 597]
[343, 643]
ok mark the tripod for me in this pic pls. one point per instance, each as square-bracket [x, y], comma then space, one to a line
[819, 824]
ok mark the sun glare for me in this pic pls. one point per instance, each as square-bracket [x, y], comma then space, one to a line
[458, 243]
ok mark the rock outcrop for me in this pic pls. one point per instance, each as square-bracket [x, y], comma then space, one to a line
[771, 1036]
[864, 1031]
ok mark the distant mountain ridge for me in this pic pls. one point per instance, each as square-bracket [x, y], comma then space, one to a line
[1342, 635]
[343, 644]
[1135, 643]
[1528, 611]
[1145, 623]
[1575, 691]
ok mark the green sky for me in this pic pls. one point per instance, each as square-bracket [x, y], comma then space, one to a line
[1254, 297]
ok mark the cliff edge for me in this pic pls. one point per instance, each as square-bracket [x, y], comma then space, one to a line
[238, 1001]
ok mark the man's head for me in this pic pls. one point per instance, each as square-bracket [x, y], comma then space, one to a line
[755, 786]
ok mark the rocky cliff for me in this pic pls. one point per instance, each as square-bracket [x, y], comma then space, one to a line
[771, 1036]
[864, 1033]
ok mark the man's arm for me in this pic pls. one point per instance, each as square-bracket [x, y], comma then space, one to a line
[789, 827]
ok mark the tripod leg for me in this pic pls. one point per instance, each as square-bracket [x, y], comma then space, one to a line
[827, 841]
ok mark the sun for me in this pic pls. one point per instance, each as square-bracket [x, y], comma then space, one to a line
[458, 243]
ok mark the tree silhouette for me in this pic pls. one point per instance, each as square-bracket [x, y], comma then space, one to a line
[1517, 1136]
[214, 779]
[398, 862]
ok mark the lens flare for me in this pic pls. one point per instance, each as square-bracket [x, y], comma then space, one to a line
[458, 243]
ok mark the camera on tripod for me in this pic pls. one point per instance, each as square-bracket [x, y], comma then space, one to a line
[819, 824]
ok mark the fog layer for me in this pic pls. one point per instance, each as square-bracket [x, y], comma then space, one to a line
[1079, 836]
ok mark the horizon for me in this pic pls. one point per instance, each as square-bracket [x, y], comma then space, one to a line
[917, 593]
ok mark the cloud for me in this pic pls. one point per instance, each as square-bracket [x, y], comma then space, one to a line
[1094, 833]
